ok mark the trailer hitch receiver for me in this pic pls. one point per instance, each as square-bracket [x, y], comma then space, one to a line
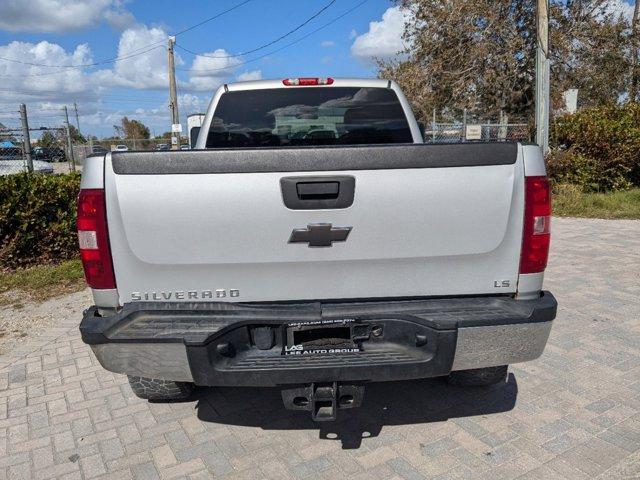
[323, 400]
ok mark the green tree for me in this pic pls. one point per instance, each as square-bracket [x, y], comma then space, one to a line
[480, 55]
[590, 51]
[48, 139]
[76, 136]
[132, 129]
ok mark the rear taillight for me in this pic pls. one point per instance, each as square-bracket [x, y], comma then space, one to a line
[94, 240]
[302, 82]
[537, 225]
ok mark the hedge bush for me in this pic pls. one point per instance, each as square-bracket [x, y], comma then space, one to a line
[37, 219]
[572, 167]
[598, 148]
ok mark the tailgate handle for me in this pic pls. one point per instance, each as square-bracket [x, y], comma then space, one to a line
[318, 193]
[318, 190]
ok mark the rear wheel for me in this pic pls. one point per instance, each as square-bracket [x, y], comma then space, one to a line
[162, 390]
[479, 377]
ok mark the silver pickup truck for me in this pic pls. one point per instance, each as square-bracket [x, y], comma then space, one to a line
[312, 241]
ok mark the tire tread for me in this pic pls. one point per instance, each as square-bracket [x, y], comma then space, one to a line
[157, 389]
[479, 377]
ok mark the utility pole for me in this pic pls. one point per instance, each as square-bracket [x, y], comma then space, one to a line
[173, 97]
[75, 107]
[463, 135]
[72, 160]
[635, 53]
[542, 75]
[433, 126]
[25, 137]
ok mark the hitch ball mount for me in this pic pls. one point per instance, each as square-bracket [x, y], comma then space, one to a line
[323, 400]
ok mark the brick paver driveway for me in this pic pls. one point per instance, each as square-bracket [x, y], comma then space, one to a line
[575, 413]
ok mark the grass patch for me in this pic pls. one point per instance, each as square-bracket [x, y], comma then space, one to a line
[46, 281]
[570, 201]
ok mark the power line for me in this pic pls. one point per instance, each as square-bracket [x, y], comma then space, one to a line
[37, 93]
[124, 100]
[66, 68]
[358, 5]
[132, 54]
[209, 19]
[40, 115]
[261, 47]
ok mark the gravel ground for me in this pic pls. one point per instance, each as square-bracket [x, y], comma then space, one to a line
[22, 319]
[63, 167]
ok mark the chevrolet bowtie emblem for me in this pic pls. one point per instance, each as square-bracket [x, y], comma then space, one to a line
[319, 235]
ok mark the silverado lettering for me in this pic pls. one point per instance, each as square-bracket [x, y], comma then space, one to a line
[185, 295]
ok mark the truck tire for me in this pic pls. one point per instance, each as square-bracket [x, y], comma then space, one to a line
[162, 390]
[479, 377]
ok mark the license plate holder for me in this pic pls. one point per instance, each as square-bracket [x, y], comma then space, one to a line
[328, 337]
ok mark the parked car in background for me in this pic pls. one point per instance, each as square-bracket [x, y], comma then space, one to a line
[49, 154]
[12, 161]
[162, 146]
[121, 148]
[99, 150]
[185, 147]
[10, 153]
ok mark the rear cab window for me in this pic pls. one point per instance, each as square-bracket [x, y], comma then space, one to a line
[308, 116]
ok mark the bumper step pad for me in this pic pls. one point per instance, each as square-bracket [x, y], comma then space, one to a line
[349, 342]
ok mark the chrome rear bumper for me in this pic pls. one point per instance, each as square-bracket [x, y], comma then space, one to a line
[213, 344]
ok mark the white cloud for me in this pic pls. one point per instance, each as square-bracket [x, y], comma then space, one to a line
[120, 19]
[135, 69]
[142, 64]
[43, 89]
[384, 38]
[46, 90]
[210, 70]
[190, 103]
[353, 34]
[21, 80]
[252, 75]
[60, 15]
[157, 119]
[327, 43]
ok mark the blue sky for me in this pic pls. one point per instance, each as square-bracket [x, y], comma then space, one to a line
[47, 48]
[47, 34]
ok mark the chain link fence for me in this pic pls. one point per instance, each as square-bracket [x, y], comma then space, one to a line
[481, 132]
[100, 147]
[49, 152]
[38, 142]
[12, 159]
[124, 144]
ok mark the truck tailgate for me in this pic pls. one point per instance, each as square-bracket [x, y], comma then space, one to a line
[425, 220]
